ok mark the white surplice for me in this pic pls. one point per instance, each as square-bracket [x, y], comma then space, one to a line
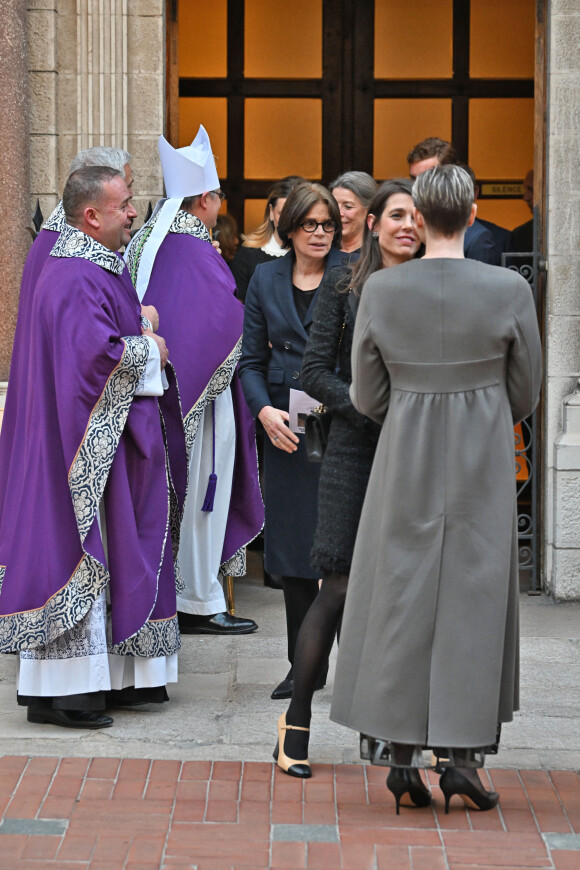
[202, 532]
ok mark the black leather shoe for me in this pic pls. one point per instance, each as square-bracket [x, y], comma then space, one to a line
[69, 718]
[478, 798]
[220, 623]
[286, 687]
[283, 689]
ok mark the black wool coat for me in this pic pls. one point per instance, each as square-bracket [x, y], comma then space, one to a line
[273, 346]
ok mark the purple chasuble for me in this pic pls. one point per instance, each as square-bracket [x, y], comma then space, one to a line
[37, 257]
[201, 320]
[82, 439]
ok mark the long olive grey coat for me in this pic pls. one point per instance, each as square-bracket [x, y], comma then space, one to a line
[429, 644]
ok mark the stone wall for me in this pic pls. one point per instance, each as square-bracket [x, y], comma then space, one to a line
[14, 170]
[562, 502]
[96, 78]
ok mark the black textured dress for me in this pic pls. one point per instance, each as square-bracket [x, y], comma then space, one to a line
[326, 375]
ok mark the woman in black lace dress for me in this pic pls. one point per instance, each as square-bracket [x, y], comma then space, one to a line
[389, 239]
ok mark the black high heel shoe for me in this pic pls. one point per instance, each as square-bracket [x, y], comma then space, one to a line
[402, 780]
[453, 782]
[292, 766]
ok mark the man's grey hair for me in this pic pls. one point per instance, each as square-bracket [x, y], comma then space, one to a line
[85, 187]
[361, 184]
[101, 155]
[444, 196]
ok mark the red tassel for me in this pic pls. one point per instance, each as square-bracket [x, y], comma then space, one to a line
[210, 493]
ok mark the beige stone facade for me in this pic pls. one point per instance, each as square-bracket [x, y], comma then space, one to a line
[562, 342]
[96, 75]
[96, 78]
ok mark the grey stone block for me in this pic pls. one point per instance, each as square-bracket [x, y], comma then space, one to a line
[564, 42]
[34, 827]
[305, 834]
[566, 842]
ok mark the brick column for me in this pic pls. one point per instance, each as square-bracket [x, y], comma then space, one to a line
[14, 169]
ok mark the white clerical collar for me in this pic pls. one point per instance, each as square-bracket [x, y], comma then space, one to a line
[73, 243]
[273, 248]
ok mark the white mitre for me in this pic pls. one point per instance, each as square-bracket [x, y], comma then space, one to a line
[191, 170]
[187, 171]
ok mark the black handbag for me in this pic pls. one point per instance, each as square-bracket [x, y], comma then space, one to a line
[316, 429]
[317, 425]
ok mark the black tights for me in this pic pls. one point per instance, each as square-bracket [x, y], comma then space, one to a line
[311, 653]
[299, 593]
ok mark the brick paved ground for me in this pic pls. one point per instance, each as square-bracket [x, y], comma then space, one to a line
[137, 814]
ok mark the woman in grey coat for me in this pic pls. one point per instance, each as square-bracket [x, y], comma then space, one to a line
[429, 644]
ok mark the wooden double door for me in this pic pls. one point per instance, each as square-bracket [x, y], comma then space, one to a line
[317, 87]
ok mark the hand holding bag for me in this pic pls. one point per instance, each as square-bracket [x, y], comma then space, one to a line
[316, 431]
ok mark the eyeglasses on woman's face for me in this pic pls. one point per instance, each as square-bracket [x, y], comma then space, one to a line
[310, 225]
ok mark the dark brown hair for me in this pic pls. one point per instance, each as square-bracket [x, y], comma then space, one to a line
[226, 232]
[433, 147]
[85, 187]
[371, 259]
[300, 201]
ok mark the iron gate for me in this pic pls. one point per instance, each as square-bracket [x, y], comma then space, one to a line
[529, 265]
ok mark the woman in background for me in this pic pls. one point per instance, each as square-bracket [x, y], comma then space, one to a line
[226, 233]
[353, 191]
[390, 238]
[264, 243]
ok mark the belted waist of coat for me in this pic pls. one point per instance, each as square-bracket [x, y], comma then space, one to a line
[448, 377]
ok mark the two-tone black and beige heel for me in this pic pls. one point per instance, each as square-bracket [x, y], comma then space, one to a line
[291, 766]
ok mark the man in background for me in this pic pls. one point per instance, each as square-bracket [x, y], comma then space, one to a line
[522, 237]
[478, 242]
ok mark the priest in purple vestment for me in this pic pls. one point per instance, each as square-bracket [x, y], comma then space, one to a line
[45, 241]
[175, 268]
[87, 583]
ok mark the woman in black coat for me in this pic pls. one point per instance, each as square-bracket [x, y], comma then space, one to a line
[390, 238]
[278, 315]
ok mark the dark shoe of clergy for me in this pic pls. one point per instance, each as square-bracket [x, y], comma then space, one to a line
[291, 766]
[407, 780]
[132, 697]
[286, 687]
[69, 718]
[219, 623]
[475, 797]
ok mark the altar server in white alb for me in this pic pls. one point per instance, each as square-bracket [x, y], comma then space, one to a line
[176, 268]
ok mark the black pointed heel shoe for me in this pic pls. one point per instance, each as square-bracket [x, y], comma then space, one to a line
[291, 766]
[453, 782]
[407, 780]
